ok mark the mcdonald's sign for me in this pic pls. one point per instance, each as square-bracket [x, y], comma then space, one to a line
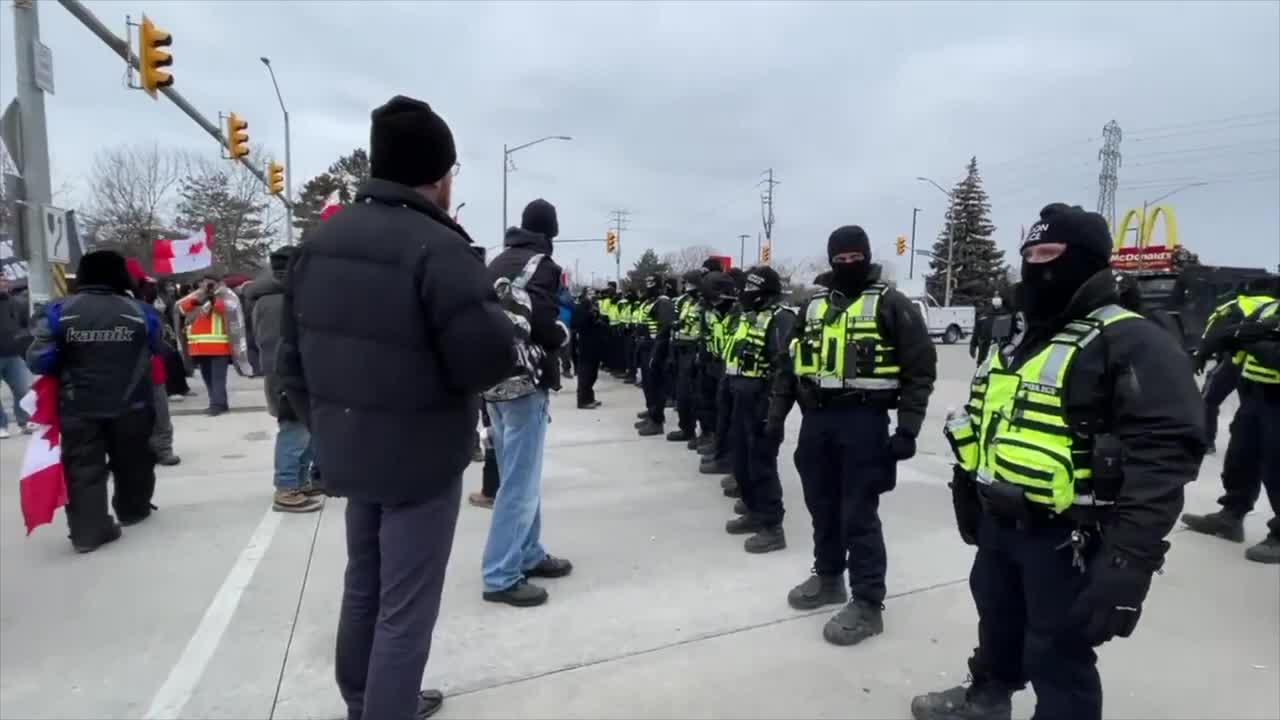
[1144, 255]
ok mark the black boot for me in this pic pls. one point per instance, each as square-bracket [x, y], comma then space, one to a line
[650, 428]
[767, 540]
[1224, 524]
[1266, 552]
[728, 481]
[857, 621]
[642, 415]
[733, 491]
[678, 436]
[744, 525]
[712, 466]
[108, 534]
[740, 507]
[983, 699]
[817, 591]
[693, 442]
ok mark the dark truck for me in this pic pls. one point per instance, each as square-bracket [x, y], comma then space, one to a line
[1182, 299]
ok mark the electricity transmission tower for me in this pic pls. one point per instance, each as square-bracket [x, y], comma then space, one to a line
[618, 219]
[766, 206]
[1107, 178]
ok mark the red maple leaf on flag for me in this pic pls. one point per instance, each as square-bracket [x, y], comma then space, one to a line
[196, 248]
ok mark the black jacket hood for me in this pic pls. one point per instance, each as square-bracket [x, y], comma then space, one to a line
[521, 238]
[266, 283]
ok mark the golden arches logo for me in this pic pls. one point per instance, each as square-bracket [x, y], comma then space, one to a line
[1146, 225]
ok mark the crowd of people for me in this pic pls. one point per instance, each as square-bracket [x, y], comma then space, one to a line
[1082, 425]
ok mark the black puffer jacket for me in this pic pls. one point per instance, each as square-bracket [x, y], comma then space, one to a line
[545, 327]
[390, 332]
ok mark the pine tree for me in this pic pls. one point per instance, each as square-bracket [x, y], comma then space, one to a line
[980, 270]
[345, 175]
[241, 239]
[647, 264]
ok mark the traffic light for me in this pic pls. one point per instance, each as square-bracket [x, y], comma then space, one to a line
[764, 254]
[275, 178]
[611, 242]
[237, 138]
[902, 244]
[151, 58]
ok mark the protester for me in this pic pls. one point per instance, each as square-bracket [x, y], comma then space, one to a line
[591, 333]
[15, 336]
[144, 289]
[175, 363]
[208, 339]
[98, 343]
[520, 410]
[569, 353]
[393, 371]
[294, 491]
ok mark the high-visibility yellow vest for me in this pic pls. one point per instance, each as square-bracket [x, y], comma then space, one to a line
[606, 309]
[1016, 427]
[628, 311]
[688, 325]
[714, 326]
[747, 354]
[846, 351]
[1253, 369]
[1247, 304]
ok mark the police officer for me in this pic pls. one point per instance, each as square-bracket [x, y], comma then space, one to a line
[861, 349]
[606, 301]
[686, 337]
[721, 294]
[718, 461]
[1251, 461]
[655, 319]
[592, 328]
[99, 343]
[1225, 375]
[993, 328]
[1072, 454]
[757, 351]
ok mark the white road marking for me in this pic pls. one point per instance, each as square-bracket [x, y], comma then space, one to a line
[173, 695]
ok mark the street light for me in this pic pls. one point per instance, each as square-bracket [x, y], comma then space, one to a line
[506, 168]
[1147, 204]
[951, 241]
[288, 160]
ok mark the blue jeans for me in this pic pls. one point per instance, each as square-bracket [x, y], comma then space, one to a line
[14, 373]
[293, 455]
[519, 432]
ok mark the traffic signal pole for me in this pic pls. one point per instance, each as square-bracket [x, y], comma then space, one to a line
[121, 48]
[33, 155]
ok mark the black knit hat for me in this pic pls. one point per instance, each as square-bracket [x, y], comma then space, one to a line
[712, 265]
[104, 267]
[1072, 226]
[847, 239]
[540, 217]
[410, 144]
[764, 280]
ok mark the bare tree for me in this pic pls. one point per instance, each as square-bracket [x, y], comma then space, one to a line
[133, 190]
[800, 273]
[689, 258]
[236, 203]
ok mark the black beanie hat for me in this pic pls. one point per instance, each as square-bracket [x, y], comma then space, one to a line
[712, 265]
[1073, 226]
[739, 277]
[410, 144]
[104, 267]
[849, 238]
[764, 280]
[540, 217]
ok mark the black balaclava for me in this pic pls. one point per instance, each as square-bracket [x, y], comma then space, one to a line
[279, 260]
[739, 278]
[720, 290]
[1047, 288]
[693, 282]
[712, 265]
[610, 290]
[849, 278]
[632, 296]
[653, 286]
[763, 285]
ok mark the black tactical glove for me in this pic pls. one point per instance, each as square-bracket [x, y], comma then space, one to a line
[1111, 603]
[965, 502]
[901, 445]
[1246, 334]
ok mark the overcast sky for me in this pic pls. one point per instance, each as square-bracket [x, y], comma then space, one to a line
[676, 109]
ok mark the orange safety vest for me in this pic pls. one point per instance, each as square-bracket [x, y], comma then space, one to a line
[207, 334]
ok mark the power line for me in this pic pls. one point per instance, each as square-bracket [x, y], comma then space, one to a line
[1203, 130]
[1252, 144]
[1201, 123]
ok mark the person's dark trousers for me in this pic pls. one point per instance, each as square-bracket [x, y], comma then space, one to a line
[755, 458]
[686, 390]
[396, 560]
[1241, 467]
[589, 347]
[92, 449]
[175, 372]
[1268, 413]
[213, 370]
[844, 464]
[707, 382]
[1219, 383]
[162, 431]
[1023, 586]
[652, 382]
[724, 419]
[629, 356]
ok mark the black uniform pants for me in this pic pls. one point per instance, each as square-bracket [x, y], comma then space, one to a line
[706, 384]
[92, 449]
[724, 419]
[652, 381]
[755, 458]
[844, 464]
[396, 559]
[590, 347]
[1242, 465]
[686, 387]
[629, 351]
[1218, 386]
[1024, 584]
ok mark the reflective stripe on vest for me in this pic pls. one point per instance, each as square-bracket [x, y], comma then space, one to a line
[645, 316]
[747, 353]
[1021, 424]
[713, 331]
[1253, 369]
[823, 352]
[688, 329]
[217, 332]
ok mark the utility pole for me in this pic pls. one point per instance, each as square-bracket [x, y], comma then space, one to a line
[911, 264]
[742, 248]
[619, 220]
[766, 209]
[33, 152]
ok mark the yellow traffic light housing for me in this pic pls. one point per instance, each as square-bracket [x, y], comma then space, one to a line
[611, 242]
[237, 138]
[902, 245]
[764, 254]
[275, 178]
[151, 58]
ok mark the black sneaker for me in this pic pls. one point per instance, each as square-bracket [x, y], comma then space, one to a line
[1224, 524]
[429, 703]
[743, 525]
[678, 436]
[649, 429]
[1267, 551]
[522, 594]
[857, 621]
[768, 540]
[551, 567]
[109, 534]
[963, 703]
[740, 507]
[817, 591]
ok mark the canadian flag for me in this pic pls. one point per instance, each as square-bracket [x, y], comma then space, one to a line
[42, 486]
[179, 256]
[331, 206]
